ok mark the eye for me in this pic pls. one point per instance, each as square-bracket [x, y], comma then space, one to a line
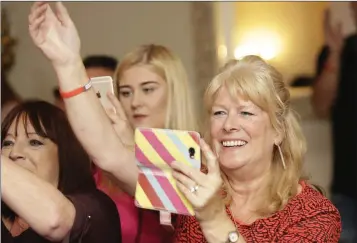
[7, 143]
[219, 113]
[35, 143]
[125, 93]
[148, 90]
[246, 113]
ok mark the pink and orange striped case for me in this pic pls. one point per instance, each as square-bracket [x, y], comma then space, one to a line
[155, 150]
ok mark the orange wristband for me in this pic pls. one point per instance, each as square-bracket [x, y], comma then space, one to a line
[77, 91]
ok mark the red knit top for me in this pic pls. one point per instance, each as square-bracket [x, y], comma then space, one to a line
[308, 217]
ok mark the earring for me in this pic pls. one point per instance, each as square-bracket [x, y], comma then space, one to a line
[281, 156]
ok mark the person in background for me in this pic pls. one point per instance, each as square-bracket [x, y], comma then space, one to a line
[96, 66]
[100, 65]
[334, 97]
[47, 189]
[154, 92]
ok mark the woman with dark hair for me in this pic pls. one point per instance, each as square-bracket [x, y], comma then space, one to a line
[48, 193]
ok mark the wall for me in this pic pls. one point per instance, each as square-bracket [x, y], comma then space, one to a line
[106, 28]
[298, 25]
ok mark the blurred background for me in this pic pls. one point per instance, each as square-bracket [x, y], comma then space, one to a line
[204, 35]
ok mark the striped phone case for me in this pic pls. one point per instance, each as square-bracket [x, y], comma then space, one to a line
[155, 150]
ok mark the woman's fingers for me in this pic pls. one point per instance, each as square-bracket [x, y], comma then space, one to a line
[192, 173]
[112, 115]
[37, 12]
[35, 5]
[183, 179]
[187, 193]
[36, 23]
[118, 107]
[62, 14]
[36, 18]
[212, 161]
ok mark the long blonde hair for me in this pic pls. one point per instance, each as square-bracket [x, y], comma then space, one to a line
[180, 112]
[261, 83]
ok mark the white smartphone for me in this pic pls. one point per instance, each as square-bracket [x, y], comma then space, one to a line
[103, 85]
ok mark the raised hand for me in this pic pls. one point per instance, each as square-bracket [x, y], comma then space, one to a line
[199, 188]
[54, 33]
[333, 34]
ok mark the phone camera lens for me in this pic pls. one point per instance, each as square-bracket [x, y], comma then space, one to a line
[191, 152]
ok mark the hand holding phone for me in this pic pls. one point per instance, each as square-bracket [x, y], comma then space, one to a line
[155, 150]
[103, 85]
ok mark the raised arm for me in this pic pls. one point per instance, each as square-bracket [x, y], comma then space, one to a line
[325, 86]
[326, 81]
[57, 37]
[41, 205]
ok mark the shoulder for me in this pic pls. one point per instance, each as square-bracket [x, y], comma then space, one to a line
[96, 217]
[309, 214]
[314, 200]
[311, 206]
[309, 203]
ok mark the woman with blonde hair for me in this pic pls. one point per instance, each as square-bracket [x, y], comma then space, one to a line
[153, 92]
[253, 189]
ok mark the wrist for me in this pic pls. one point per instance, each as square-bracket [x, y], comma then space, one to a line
[215, 209]
[218, 229]
[68, 64]
[71, 75]
[211, 219]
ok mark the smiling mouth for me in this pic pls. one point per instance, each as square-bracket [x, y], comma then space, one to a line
[233, 143]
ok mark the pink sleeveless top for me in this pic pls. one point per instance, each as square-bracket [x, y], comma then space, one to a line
[137, 225]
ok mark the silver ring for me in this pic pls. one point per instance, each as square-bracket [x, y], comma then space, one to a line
[194, 189]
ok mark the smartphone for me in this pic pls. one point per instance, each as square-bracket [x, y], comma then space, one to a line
[103, 85]
[155, 150]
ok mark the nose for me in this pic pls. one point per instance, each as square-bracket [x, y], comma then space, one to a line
[16, 153]
[136, 100]
[231, 124]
